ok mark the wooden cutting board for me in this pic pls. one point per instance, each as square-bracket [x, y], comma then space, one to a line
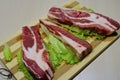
[64, 72]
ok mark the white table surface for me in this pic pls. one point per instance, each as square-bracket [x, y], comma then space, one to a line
[16, 13]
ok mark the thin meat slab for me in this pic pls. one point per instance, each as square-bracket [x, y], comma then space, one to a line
[85, 20]
[81, 47]
[35, 56]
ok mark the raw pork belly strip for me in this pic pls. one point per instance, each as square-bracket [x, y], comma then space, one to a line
[81, 47]
[85, 20]
[35, 55]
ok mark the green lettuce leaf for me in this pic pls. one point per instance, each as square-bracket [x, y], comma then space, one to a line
[59, 52]
[7, 52]
[89, 10]
[82, 33]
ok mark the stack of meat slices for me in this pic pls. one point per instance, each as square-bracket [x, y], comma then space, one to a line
[35, 55]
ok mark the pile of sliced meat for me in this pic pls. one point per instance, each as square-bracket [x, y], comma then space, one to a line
[85, 20]
[35, 55]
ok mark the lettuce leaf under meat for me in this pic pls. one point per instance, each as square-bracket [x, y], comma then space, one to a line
[22, 67]
[82, 33]
[58, 52]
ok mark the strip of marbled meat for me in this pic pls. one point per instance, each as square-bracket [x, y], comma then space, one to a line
[81, 47]
[85, 20]
[35, 55]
